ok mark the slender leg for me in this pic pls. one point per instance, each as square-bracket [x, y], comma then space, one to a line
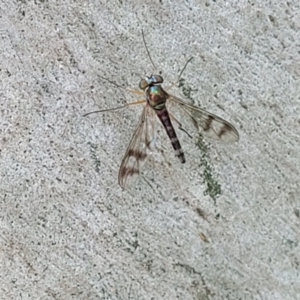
[179, 125]
[116, 108]
[168, 88]
[137, 92]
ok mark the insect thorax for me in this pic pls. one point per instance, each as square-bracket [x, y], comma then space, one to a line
[156, 97]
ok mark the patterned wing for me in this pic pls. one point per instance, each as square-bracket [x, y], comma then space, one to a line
[140, 145]
[212, 126]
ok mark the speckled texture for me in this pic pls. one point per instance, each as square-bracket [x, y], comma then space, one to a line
[68, 231]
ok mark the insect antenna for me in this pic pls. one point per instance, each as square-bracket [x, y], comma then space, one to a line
[148, 52]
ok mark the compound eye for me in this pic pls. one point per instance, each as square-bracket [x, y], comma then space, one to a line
[157, 79]
[143, 84]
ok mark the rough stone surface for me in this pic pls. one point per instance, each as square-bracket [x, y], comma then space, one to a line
[68, 231]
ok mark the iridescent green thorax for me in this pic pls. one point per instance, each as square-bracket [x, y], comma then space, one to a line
[156, 97]
[156, 90]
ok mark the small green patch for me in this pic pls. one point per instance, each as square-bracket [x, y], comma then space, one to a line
[186, 90]
[213, 188]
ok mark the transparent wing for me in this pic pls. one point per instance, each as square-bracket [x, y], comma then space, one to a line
[139, 147]
[212, 126]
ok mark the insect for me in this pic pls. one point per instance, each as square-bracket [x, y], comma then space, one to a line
[204, 237]
[156, 102]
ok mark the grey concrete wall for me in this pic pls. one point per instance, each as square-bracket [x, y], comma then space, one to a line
[225, 225]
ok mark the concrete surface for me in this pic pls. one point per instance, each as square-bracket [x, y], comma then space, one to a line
[68, 231]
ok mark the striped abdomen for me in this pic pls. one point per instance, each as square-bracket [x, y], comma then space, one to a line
[165, 119]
